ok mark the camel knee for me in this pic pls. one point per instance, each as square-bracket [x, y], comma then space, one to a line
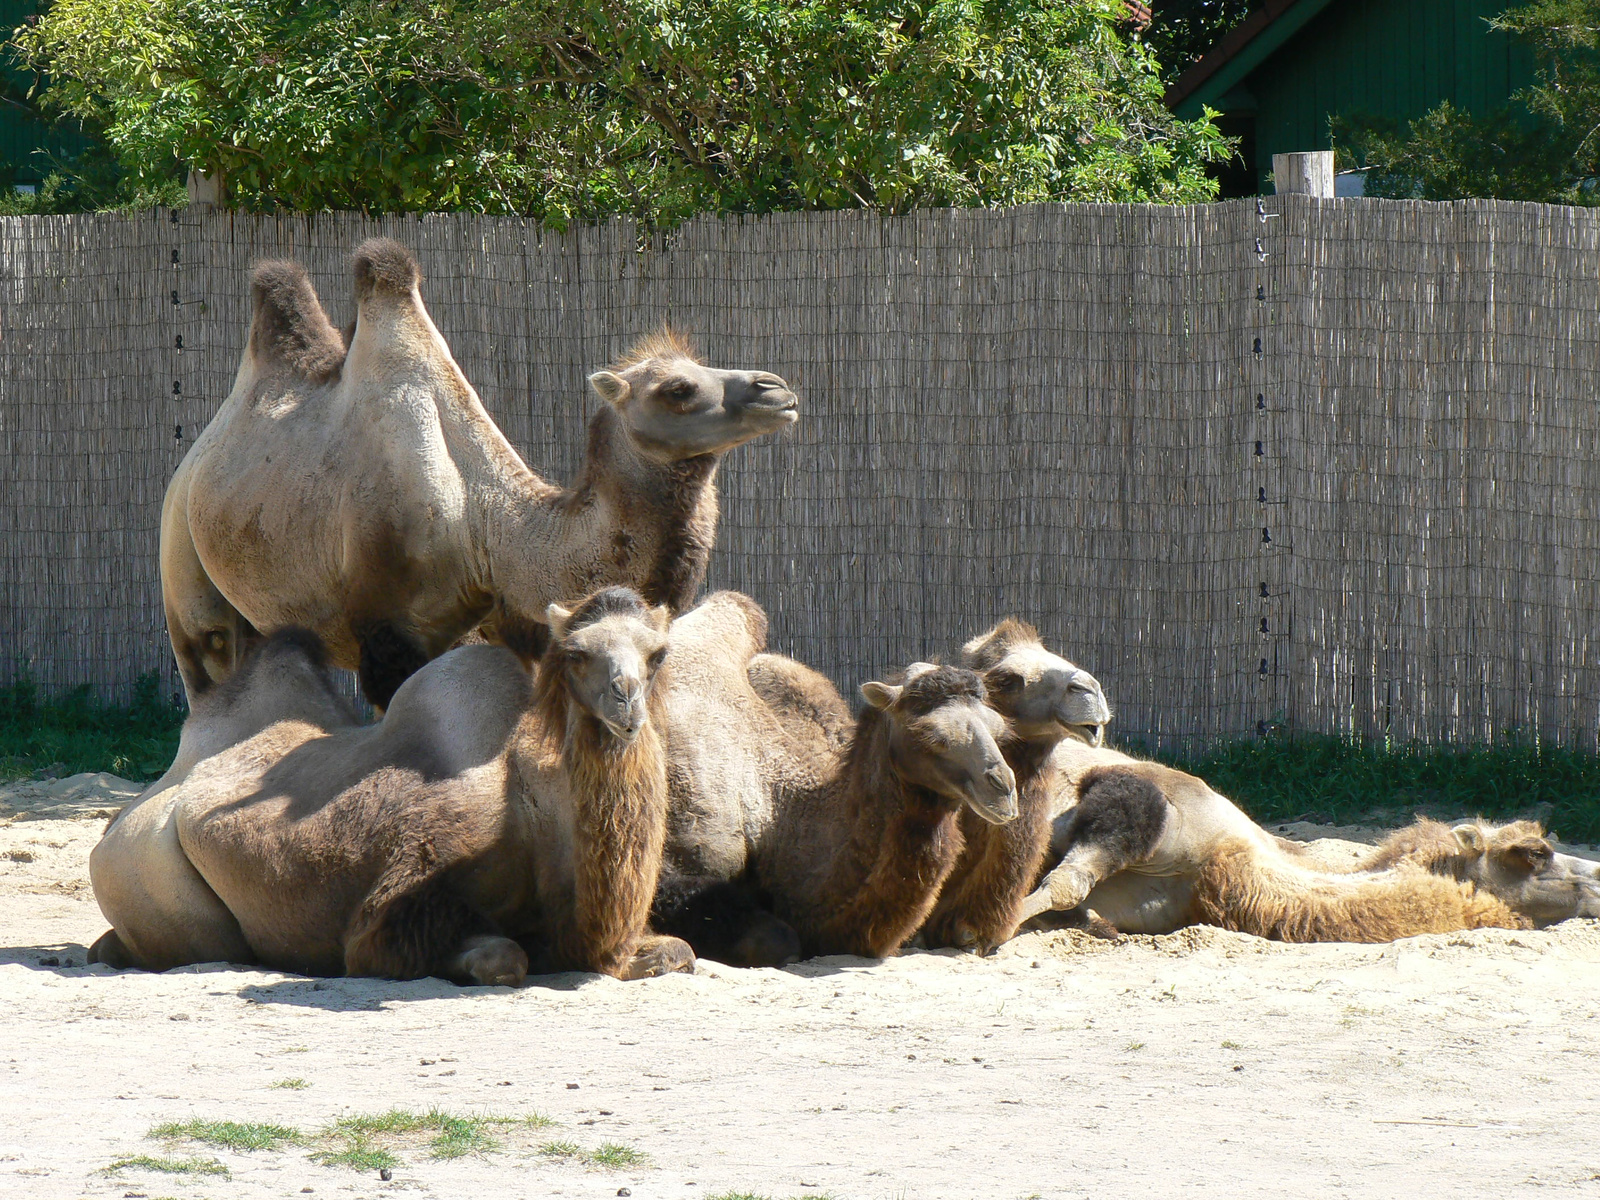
[109, 950]
[489, 960]
[658, 955]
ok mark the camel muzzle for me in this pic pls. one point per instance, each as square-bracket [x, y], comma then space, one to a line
[994, 798]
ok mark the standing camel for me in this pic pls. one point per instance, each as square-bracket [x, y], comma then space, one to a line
[365, 494]
[851, 842]
[486, 816]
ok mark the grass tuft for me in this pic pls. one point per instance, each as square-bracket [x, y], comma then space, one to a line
[230, 1135]
[615, 1154]
[169, 1166]
[358, 1154]
[561, 1150]
[294, 1085]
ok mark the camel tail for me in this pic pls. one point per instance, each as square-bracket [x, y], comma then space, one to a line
[1240, 889]
[384, 267]
[289, 330]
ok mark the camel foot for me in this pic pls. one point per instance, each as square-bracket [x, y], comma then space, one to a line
[491, 961]
[659, 955]
[1062, 889]
[108, 949]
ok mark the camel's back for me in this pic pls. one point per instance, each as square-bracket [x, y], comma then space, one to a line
[804, 701]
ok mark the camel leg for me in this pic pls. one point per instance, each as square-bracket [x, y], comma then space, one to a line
[979, 905]
[659, 955]
[431, 930]
[162, 911]
[1117, 823]
[389, 657]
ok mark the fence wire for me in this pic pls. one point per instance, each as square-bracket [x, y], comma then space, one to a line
[1325, 465]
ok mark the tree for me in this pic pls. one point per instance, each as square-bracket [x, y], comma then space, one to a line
[1543, 146]
[1182, 31]
[568, 109]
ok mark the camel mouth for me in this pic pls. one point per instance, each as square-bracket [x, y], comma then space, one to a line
[1002, 811]
[623, 733]
[1089, 735]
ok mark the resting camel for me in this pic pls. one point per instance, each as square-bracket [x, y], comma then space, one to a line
[851, 844]
[365, 494]
[487, 814]
[1044, 700]
[1144, 848]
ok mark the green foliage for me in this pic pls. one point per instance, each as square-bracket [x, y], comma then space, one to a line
[230, 1135]
[76, 732]
[616, 1154]
[574, 109]
[1333, 780]
[1544, 146]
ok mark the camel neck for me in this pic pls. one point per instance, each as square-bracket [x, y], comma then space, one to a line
[625, 520]
[619, 794]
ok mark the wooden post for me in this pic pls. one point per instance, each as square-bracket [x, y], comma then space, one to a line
[205, 191]
[1310, 173]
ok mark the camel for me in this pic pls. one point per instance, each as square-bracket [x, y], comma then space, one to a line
[1044, 700]
[851, 844]
[357, 487]
[1139, 847]
[487, 814]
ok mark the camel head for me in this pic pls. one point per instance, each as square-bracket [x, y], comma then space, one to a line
[675, 407]
[1041, 695]
[1517, 863]
[945, 738]
[605, 653]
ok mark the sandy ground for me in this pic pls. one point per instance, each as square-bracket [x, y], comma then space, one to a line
[1201, 1064]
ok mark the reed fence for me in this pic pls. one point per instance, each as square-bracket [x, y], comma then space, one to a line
[1329, 465]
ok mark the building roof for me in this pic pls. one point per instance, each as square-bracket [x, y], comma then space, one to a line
[1240, 51]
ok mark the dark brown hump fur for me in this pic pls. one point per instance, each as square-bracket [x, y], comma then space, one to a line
[289, 330]
[383, 265]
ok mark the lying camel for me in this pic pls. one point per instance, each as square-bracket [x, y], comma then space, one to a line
[365, 494]
[1044, 699]
[487, 813]
[1145, 848]
[851, 844]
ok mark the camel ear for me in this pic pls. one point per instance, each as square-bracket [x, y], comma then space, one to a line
[661, 617]
[610, 387]
[1469, 837]
[919, 668]
[880, 695]
[557, 617]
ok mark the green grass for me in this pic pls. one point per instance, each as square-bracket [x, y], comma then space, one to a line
[169, 1166]
[229, 1135]
[1329, 779]
[358, 1155]
[292, 1085]
[561, 1150]
[76, 732]
[615, 1154]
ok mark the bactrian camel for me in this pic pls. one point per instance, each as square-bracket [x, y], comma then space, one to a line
[1044, 699]
[1144, 848]
[488, 816]
[365, 494]
[851, 843]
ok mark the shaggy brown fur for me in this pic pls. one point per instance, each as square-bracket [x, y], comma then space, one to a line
[981, 902]
[290, 329]
[901, 846]
[986, 652]
[382, 265]
[1238, 888]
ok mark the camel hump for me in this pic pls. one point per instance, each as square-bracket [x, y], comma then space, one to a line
[384, 267]
[290, 330]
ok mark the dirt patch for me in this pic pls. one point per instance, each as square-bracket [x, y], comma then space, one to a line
[1200, 1063]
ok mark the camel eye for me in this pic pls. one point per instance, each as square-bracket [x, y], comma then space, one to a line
[1005, 681]
[679, 389]
[656, 659]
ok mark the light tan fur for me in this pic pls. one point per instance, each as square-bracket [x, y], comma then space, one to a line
[484, 811]
[365, 493]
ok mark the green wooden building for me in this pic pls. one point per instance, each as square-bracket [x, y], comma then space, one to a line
[1293, 64]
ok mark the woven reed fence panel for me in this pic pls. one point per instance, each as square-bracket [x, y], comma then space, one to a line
[1328, 465]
